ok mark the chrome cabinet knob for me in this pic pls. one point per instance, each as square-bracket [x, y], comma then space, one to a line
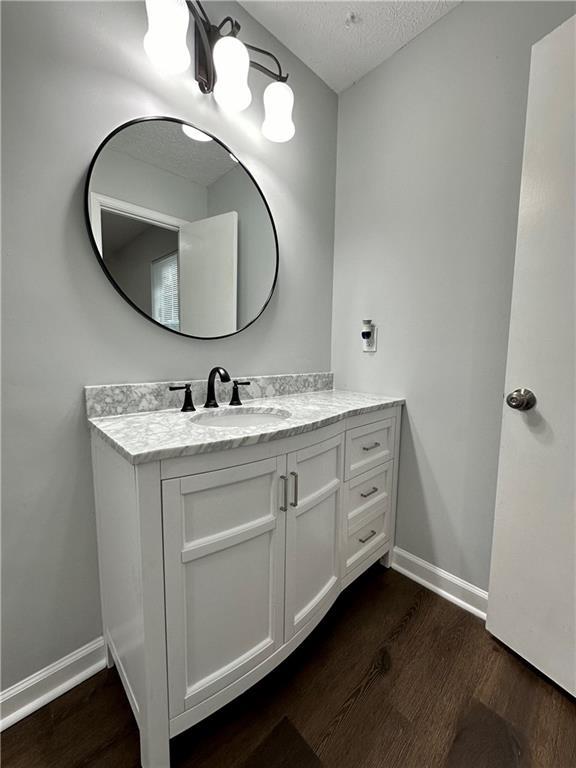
[521, 399]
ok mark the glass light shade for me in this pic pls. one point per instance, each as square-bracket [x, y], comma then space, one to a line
[165, 40]
[194, 133]
[231, 62]
[278, 103]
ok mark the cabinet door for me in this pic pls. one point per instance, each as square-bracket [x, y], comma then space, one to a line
[224, 574]
[313, 531]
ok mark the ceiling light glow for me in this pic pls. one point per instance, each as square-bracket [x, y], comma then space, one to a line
[194, 133]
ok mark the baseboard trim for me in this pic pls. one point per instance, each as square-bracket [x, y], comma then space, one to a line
[44, 686]
[25, 697]
[445, 584]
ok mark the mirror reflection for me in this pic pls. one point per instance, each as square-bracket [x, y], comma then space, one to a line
[181, 228]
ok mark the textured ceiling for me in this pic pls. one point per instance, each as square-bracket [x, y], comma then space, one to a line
[339, 50]
[162, 143]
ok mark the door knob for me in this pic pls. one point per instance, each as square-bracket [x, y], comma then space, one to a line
[521, 399]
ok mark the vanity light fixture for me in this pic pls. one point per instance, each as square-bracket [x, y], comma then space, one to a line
[278, 103]
[165, 40]
[232, 63]
[222, 62]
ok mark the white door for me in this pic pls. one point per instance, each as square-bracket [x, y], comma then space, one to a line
[313, 531]
[224, 576]
[532, 597]
[207, 272]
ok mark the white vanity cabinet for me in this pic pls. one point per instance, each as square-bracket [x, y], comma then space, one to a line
[224, 572]
[229, 537]
[215, 566]
[370, 474]
[313, 531]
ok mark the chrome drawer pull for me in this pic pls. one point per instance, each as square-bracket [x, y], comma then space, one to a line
[284, 507]
[294, 503]
[367, 538]
[371, 492]
[370, 447]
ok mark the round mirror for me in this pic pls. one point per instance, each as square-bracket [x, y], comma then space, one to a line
[181, 228]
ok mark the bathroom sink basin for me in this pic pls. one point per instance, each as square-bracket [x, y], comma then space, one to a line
[244, 416]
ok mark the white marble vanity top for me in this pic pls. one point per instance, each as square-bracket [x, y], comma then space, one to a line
[167, 434]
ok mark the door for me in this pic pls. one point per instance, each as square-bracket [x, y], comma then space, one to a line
[313, 532]
[208, 266]
[224, 576]
[532, 596]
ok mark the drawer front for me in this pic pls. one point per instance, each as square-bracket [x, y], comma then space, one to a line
[369, 446]
[370, 490]
[364, 539]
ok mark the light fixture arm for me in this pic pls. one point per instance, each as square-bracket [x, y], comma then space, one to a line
[202, 11]
[207, 34]
[234, 26]
[278, 76]
[203, 34]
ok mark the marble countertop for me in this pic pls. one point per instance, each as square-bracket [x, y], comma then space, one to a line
[155, 435]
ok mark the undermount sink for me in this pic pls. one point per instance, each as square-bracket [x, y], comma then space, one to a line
[244, 416]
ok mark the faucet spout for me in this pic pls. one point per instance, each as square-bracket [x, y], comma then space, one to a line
[211, 401]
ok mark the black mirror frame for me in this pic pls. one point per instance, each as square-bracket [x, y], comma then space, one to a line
[100, 258]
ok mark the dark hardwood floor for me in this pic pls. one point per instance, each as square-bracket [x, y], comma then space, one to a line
[394, 676]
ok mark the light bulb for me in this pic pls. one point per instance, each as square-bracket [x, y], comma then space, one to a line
[165, 41]
[231, 62]
[278, 103]
[194, 133]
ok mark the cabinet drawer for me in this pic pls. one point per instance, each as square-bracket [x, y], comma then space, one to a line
[369, 490]
[364, 539]
[369, 446]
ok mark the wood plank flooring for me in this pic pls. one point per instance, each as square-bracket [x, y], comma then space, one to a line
[394, 677]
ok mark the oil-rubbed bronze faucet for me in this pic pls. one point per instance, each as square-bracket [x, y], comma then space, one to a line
[211, 401]
[235, 394]
[188, 404]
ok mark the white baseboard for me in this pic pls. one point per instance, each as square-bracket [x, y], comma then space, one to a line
[44, 686]
[445, 584]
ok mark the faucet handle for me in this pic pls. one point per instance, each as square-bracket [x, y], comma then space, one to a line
[188, 404]
[235, 395]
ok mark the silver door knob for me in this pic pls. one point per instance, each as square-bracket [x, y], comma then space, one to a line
[521, 399]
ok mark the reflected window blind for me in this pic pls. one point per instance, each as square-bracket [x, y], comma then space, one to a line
[165, 307]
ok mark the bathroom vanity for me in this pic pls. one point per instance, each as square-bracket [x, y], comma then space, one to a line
[222, 547]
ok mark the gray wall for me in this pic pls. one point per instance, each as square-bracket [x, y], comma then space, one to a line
[235, 192]
[118, 175]
[71, 73]
[131, 266]
[429, 164]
